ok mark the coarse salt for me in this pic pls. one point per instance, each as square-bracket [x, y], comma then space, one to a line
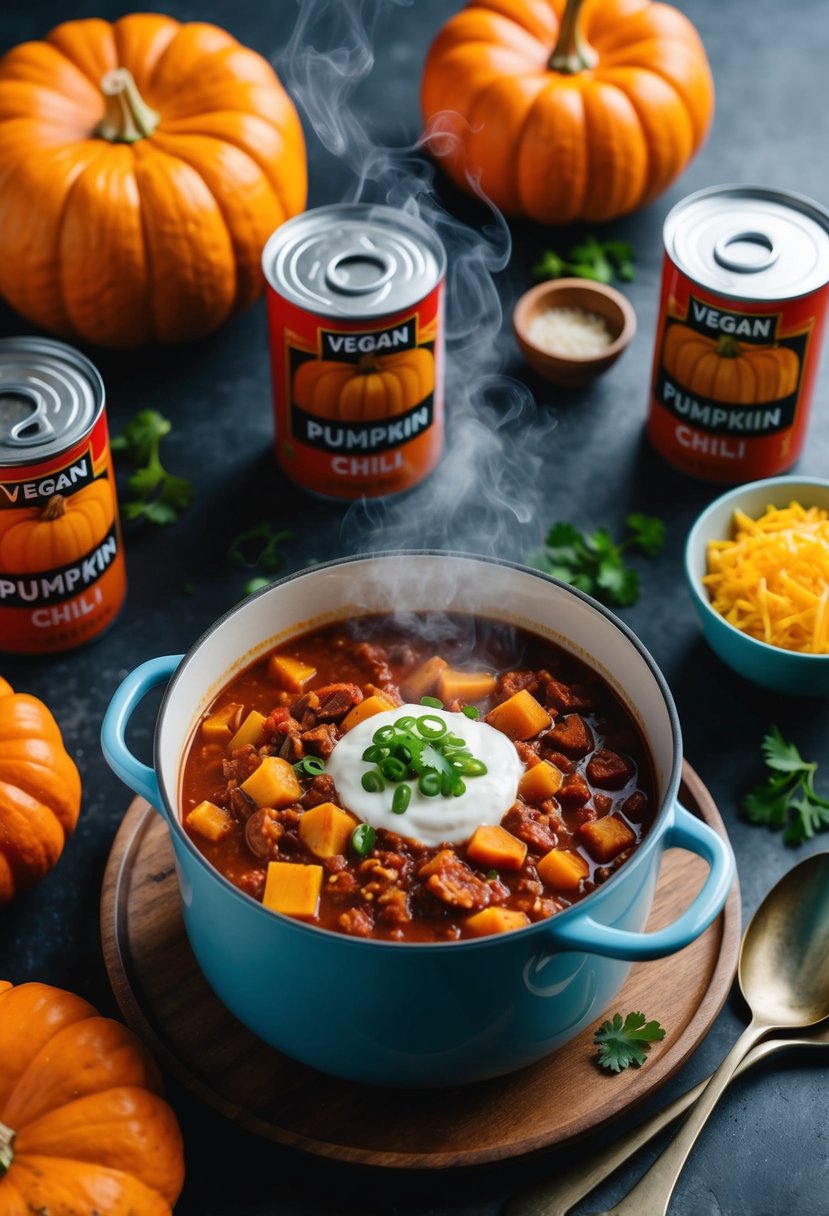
[570, 331]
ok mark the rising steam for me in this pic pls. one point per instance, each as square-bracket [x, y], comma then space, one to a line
[480, 498]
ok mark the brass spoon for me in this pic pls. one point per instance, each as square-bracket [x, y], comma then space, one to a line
[555, 1197]
[784, 978]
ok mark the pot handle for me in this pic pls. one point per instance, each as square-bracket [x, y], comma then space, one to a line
[686, 832]
[139, 777]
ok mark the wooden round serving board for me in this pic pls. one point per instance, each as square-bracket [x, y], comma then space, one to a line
[166, 1000]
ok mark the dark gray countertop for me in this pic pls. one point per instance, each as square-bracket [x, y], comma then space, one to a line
[521, 455]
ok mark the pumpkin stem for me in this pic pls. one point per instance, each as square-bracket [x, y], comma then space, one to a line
[6, 1148]
[55, 507]
[728, 347]
[127, 117]
[368, 364]
[571, 53]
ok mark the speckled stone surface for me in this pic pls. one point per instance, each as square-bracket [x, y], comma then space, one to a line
[521, 455]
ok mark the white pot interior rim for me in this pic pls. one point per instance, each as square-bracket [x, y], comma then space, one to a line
[499, 589]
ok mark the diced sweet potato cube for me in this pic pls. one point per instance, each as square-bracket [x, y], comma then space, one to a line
[273, 783]
[252, 731]
[210, 821]
[605, 838]
[495, 847]
[215, 728]
[292, 888]
[468, 686]
[290, 674]
[562, 870]
[325, 829]
[424, 679]
[541, 781]
[495, 920]
[379, 703]
[520, 717]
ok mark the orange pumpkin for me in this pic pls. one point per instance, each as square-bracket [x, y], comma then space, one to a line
[580, 112]
[375, 388]
[83, 1128]
[40, 793]
[143, 164]
[723, 370]
[61, 532]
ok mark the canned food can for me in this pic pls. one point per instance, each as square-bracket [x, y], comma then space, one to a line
[742, 312]
[355, 310]
[62, 570]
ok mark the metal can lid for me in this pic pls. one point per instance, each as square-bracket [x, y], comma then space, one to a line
[750, 243]
[50, 397]
[354, 260]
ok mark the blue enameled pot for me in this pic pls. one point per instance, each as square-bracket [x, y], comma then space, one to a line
[393, 1013]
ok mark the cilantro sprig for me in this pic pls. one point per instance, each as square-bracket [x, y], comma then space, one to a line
[593, 562]
[787, 799]
[258, 548]
[158, 496]
[625, 1042]
[590, 259]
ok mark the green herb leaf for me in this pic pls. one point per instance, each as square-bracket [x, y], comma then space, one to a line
[258, 546]
[158, 496]
[647, 533]
[787, 798]
[592, 259]
[593, 563]
[622, 1043]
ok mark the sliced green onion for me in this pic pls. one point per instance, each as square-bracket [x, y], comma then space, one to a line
[374, 754]
[373, 782]
[363, 838]
[470, 711]
[402, 798]
[471, 768]
[405, 723]
[432, 702]
[393, 769]
[458, 787]
[492, 874]
[309, 766]
[432, 727]
[454, 741]
[384, 735]
[429, 783]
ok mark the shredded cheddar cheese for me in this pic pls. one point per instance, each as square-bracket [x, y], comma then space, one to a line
[772, 580]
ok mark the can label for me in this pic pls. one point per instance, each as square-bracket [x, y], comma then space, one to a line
[359, 406]
[742, 311]
[62, 570]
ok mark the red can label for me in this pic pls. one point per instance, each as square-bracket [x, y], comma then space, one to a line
[732, 380]
[62, 570]
[358, 405]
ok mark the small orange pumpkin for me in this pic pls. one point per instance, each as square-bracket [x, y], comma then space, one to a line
[580, 111]
[376, 387]
[83, 1128]
[40, 793]
[61, 532]
[723, 370]
[143, 165]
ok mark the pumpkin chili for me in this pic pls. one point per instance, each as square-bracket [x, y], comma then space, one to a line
[425, 778]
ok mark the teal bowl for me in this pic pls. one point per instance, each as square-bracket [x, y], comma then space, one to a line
[771, 667]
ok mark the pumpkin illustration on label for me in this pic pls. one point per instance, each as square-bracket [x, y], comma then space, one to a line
[375, 387]
[726, 370]
[63, 531]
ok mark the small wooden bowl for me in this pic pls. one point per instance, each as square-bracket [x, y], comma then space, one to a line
[605, 302]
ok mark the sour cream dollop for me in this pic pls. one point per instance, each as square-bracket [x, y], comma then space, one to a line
[437, 819]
